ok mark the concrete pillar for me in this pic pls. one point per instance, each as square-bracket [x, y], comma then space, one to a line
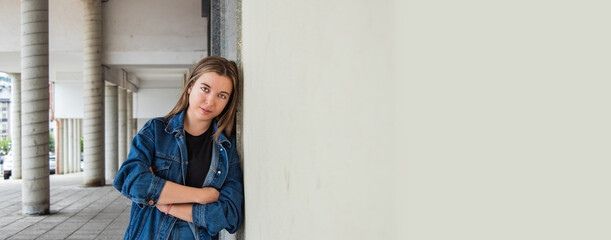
[79, 136]
[135, 128]
[214, 28]
[75, 145]
[93, 97]
[58, 147]
[122, 98]
[129, 117]
[111, 131]
[35, 107]
[70, 145]
[132, 134]
[57, 143]
[62, 148]
[16, 124]
[66, 154]
[225, 26]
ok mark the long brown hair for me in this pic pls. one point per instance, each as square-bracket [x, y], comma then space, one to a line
[222, 67]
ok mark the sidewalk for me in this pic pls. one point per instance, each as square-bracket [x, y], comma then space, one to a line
[76, 212]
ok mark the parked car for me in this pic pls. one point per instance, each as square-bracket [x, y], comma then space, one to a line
[52, 163]
[8, 164]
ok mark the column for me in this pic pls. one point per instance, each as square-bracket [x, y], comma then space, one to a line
[58, 147]
[129, 117]
[35, 107]
[16, 124]
[225, 29]
[93, 97]
[75, 145]
[79, 152]
[64, 145]
[135, 128]
[111, 131]
[70, 145]
[122, 125]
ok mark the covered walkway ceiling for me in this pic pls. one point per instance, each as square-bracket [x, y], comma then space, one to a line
[154, 41]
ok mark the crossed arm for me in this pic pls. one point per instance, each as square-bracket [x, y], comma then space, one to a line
[182, 198]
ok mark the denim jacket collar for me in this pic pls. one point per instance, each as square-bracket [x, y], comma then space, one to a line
[175, 125]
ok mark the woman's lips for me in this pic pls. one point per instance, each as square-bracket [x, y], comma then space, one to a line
[205, 111]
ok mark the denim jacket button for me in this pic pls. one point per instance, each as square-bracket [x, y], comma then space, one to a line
[151, 202]
[219, 172]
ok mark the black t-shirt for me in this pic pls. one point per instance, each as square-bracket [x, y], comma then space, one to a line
[199, 153]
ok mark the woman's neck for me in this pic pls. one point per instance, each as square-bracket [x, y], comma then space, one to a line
[194, 127]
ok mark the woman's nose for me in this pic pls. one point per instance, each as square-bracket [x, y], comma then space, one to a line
[209, 99]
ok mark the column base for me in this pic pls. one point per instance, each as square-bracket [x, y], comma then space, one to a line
[35, 210]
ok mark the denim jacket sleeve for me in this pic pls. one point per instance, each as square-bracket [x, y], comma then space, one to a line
[226, 213]
[134, 179]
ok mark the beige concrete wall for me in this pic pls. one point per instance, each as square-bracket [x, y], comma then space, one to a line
[427, 120]
[154, 32]
[508, 122]
[10, 31]
[319, 120]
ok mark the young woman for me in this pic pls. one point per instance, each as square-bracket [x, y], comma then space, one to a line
[183, 172]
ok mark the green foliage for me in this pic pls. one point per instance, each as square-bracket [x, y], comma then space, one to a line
[4, 145]
[51, 141]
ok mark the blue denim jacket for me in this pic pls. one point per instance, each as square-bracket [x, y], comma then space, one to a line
[162, 146]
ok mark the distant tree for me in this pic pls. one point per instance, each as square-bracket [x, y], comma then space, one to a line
[51, 141]
[4, 145]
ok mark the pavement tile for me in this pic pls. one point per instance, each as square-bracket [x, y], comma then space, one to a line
[24, 236]
[82, 237]
[110, 237]
[76, 212]
[52, 236]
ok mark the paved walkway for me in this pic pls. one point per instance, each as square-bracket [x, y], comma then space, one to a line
[76, 212]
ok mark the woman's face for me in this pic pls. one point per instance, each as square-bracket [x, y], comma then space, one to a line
[208, 96]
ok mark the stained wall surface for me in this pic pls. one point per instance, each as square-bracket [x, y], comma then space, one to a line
[426, 119]
[319, 120]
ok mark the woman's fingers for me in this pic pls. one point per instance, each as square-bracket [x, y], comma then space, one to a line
[213, 194]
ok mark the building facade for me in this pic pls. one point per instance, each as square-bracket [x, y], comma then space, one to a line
[5, 107]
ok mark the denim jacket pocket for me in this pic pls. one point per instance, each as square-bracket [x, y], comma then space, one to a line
[162, 164]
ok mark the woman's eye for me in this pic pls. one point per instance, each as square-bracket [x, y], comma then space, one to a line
[205, 89]
[222, 96]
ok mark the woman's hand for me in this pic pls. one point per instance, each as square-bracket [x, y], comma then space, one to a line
[162, 207]
[208, 195]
